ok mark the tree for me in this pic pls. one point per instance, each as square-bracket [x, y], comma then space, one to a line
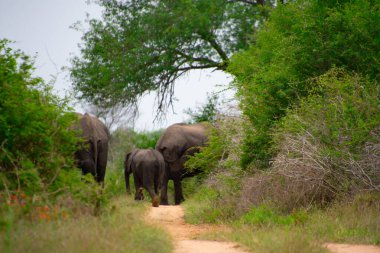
[142, 46]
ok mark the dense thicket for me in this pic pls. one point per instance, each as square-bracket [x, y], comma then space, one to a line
[35, 140]
[300, 41]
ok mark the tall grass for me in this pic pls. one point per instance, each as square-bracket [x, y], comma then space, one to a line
[119, 229]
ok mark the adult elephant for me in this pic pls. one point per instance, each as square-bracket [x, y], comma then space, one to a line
[176, 143]
[91, 155]
[148, 168]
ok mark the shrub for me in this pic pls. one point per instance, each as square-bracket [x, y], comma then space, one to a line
[215, 194]
[326, 146]
[301, 40]
[36, 140]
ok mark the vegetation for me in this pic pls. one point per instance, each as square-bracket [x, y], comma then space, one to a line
[141, 46]
[119, 229]
[44, 198]
[310, 101]
[300, 41]
[297, 169]
[204, 113]
[36, 142]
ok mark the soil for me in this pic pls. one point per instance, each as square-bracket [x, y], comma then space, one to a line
[183, 234]
[352, 248]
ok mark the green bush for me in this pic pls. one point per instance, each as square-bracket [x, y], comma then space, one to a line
[301, 40]
[36, 140]
[328, 145]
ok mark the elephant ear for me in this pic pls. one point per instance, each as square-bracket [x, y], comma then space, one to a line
[171, 154]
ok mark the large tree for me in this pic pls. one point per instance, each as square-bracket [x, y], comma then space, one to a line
[146, 45]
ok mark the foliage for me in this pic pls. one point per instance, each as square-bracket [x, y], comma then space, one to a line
[204, 113]
[215, 192]
[323, 142]
[222, 149]
[300, 40]
[142, 46]
[326, 148]
[36, 140]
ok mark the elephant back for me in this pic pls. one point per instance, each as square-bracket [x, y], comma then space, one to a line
[93, 128]
[178, 138]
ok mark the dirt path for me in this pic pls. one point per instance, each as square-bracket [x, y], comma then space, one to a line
[171, 218]
[351, 248]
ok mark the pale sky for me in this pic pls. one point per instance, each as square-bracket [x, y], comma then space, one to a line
[42, 28]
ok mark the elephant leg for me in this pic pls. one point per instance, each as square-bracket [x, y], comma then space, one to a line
[149, 186]
[102, 162]
[126, 176]
[156, 185]
[164, 191]
[139, 195]
[178, 196]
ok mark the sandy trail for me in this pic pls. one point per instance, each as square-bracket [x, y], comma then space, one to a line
[171, 218]
[352, 248]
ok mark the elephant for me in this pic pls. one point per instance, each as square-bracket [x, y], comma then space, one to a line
[148, 168]
[175, 144]
[91, 155]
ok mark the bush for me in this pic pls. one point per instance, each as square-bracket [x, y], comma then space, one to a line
[36, 140]
[301, 40]
[327, 147]
[216, 191]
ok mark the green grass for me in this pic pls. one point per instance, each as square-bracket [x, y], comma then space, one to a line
[264, 229]
[120, 228]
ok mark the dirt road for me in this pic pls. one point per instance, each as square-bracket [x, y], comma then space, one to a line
[183, 234]
[351, 248]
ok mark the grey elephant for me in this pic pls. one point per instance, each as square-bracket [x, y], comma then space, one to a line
[176, 143]
[148, 168]
[91, 155]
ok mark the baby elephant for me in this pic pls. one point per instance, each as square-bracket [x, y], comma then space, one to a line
[148, 168]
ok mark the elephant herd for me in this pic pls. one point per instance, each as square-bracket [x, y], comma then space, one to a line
[151, 168]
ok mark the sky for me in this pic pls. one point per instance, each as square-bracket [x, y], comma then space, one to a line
[41, 28]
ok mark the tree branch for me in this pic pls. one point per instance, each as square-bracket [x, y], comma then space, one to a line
[216, 46]
[195, 59]
[258, 2]
[198, 67]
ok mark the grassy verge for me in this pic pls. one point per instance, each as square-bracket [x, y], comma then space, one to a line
[263, 229]
[119, 229]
